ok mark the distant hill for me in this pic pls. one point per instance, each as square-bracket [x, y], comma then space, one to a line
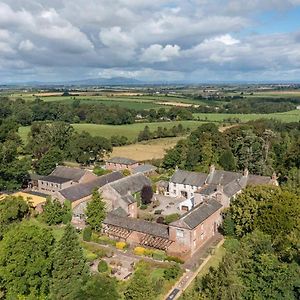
[83, 82]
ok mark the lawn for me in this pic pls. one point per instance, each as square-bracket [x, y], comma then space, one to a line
[290, 116]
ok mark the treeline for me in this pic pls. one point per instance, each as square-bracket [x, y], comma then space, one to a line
[25, 113]
[250, 105]
[262, 147]
[262, 259]
[161, 132]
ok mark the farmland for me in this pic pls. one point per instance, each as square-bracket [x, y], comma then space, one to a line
[131, 131]
[290, 116]
[154, 149]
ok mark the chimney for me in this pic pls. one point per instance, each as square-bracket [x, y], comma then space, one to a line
[246, 172]
[212, 169]
[220, 188]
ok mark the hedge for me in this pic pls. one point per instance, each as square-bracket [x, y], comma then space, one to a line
[121, 245]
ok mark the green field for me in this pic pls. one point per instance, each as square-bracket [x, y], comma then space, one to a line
[131, 131]
[290, 116]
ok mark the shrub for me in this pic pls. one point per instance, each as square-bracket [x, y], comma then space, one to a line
[104, 240]
[159, 254]
[121, 245]
[175, 259]
[102, 266]
[139, 250]
[87, 234]
[171, 218]
[172, 272]
[143, 206]
[158, 211]
[126, 172]
[160, 220]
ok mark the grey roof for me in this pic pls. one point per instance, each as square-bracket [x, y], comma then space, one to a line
[128, 199]
[120, 212]
[67, 172]
[122, 160]
[207, 189]
[81, 190]
[154, 229]
[222, 177]
[197, 215]
[55, 179]
[34, 176]
[232, 188]
[190, 178]
[35, 193]
[258, 180]
[130, 184]
[144, 168]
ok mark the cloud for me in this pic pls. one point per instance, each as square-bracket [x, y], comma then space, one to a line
[199, 39]
[158, 53]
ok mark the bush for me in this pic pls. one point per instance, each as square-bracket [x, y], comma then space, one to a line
[172, 272]
[158, 211]
[159, 254]
[104, 240]
[171, 218]
[175, 259]
[121, 245]
[143, 206]
[100, 171]
[126, 172]
[139, 250]
[102, 266]
[87, 234]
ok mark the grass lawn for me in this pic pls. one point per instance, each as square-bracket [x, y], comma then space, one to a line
[290, 116]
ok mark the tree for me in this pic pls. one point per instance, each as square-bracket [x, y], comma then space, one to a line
[70, 271]
[95, 211]
[227, 161]
[25, 260]
[140, 286]
[99, 287]
[49, 161]
[12, 210]
[54, 212]
[146, 194]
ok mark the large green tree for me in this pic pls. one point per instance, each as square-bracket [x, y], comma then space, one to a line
[99, 287]
[25, 261]
[70, 271]
[12, 210]
[95, 211]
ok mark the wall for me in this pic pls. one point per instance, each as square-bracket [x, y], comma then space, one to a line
[50, 188]
[194, 239]
[176, 188]
[118, 167]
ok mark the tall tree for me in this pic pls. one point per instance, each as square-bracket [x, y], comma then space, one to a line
[25, 261]
[70, 271]
[12, 210]
[95, 211]
[99, 287]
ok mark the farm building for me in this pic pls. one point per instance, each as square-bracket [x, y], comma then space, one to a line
[120, 163]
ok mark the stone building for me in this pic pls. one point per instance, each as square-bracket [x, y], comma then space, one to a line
[120, 163]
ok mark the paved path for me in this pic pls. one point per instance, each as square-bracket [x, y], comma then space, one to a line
[193, 266]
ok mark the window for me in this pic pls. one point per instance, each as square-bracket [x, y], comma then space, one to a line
[202, 236]
[184, 186]
[179, 233]
[174, 184]
[174, 191]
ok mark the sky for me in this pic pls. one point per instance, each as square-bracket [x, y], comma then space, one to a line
[150, 40]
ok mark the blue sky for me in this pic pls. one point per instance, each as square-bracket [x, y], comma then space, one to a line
[150, 40]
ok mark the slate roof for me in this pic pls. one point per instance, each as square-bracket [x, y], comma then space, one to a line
[139, 225]
[197, 215]
[74, 174]
[232, 188]
[189, 178]
[81, 190]
[55, 179]
[130, 184]
[207, 189]
[222, 177]
[258, 180]
[122, 160]
[144, 168]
